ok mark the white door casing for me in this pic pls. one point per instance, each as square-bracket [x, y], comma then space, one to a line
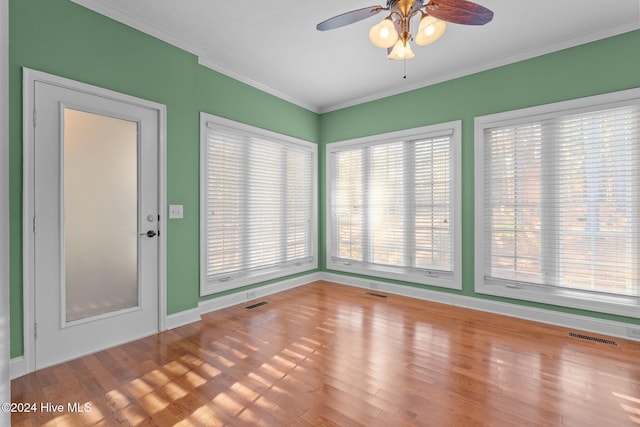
[49, 336]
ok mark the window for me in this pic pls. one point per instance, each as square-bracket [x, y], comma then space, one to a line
[393, 205]
[258, 205]
[558, 203]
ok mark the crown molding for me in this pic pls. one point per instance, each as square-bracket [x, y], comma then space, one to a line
[511, 59]
[209, 63]
[103, 8]
[117, 14]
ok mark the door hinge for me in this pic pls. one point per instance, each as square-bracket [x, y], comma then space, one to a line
[34, 117]
[35, 331]
[34, 224]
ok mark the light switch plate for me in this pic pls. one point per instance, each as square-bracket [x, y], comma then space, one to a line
[176, 212]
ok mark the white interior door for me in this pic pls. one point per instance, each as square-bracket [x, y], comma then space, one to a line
[95, 222]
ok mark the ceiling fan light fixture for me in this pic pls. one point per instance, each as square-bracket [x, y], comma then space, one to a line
[384, 33]
[429, 30]
[401, 51]
[394, 32]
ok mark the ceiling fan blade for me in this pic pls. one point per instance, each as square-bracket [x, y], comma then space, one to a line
[459, 12]
[349, 18]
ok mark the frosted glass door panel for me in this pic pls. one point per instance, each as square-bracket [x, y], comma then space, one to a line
[100, 214]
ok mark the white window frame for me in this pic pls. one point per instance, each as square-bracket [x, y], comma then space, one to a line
[208, 286]
[431, 278]
[570, 298]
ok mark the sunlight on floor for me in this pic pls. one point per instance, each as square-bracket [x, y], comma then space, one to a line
[261, 380]
[186, 423]
[137, 388]
[194, 379]
[228, 403]
[94, 416]
[203, 416]
[152, 403]
[247, 393]
[62, 420]
[156, 377]
[362, 367]
[625, 397]
[175, 368]
[271, 371]
[174, 391]
[631, 405]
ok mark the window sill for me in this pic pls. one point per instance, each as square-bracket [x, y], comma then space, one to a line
[214, 285]
[622, 306]
[441, 280]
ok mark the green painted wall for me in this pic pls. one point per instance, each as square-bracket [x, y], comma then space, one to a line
[62, 38]
[59, 37]
[605, 66]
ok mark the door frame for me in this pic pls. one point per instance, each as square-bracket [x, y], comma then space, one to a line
[29, 77]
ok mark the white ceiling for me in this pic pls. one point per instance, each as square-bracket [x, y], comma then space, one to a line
[275, 46]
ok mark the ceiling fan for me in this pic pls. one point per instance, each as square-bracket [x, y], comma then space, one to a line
[394, 32]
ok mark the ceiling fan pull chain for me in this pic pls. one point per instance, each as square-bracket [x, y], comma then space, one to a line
[404, 64]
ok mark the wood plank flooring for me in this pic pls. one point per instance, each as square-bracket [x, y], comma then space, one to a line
[331, 355]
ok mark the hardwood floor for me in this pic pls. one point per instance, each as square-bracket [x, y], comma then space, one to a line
[331, 355]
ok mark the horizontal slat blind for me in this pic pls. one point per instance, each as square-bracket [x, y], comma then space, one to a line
[434, 204]
[259, 203]
[347, 209]
[562, 204]
[386, 182]
[513, 171]
[391, 204]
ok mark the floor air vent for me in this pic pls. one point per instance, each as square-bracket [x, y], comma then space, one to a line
[373, 294]
[595, 339]
[256, 305]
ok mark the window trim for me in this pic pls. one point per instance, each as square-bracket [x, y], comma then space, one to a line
[208, 287]
[568, 298]
[433, 277]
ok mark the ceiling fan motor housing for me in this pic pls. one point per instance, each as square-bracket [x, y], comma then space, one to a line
[404, 7]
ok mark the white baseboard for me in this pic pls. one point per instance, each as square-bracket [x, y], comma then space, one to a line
[195, 314]
[182, 318]
[240, 297]
[583, 323]
[17, 367]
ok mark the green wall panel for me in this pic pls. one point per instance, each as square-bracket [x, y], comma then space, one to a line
[62, 38]
[603, 66]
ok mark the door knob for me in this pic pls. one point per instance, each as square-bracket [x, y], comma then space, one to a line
[150, 233]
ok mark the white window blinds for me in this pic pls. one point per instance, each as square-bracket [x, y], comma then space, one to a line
[392, 207]
[562, 201]
[260, 207]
